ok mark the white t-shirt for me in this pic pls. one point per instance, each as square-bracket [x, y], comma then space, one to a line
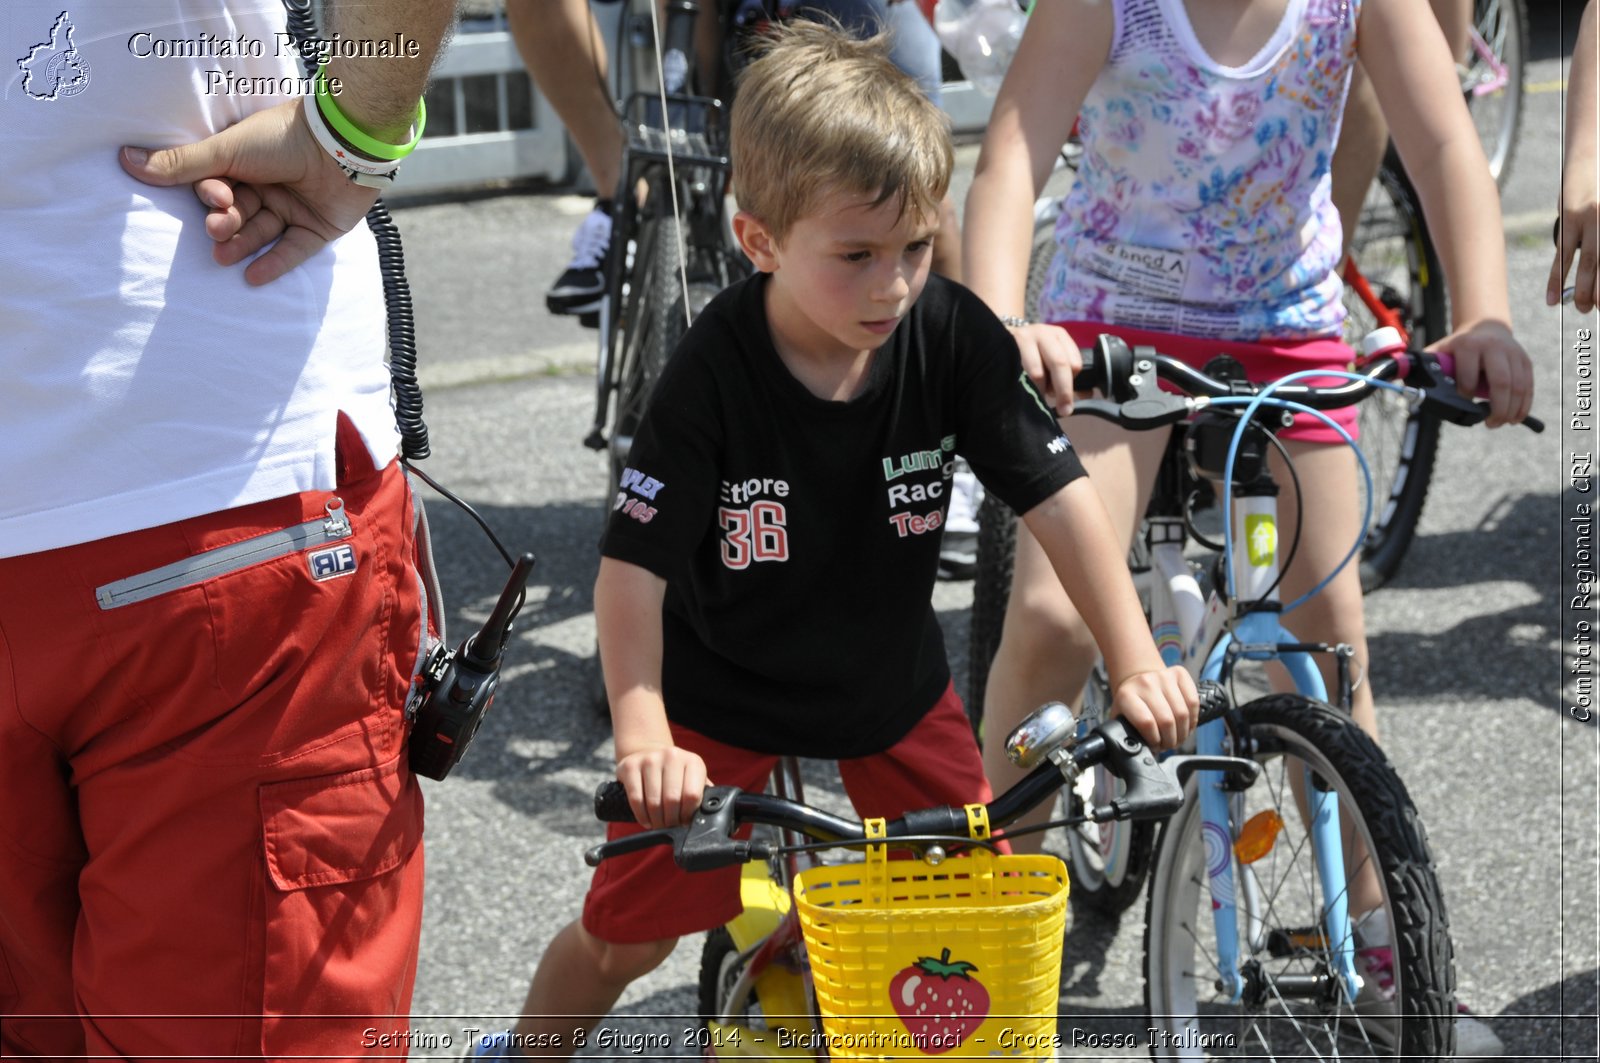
[140, 382]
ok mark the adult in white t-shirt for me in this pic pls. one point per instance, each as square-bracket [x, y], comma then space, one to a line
[209, 608]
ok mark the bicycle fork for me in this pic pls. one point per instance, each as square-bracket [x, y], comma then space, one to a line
[1258, 635]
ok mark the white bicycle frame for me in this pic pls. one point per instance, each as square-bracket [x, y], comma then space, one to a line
[1206, 636]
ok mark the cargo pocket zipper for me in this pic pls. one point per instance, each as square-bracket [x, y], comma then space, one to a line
[225, 559]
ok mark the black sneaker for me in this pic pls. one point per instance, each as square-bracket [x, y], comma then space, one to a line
[582, 284]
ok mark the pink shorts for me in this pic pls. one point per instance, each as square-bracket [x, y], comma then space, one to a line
[644, 896]
[1263, 362]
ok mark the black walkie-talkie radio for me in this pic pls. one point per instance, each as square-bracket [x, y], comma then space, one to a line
[458, 687]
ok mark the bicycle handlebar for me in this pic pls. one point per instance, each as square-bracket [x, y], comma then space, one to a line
[1153, 789]
[1127, 377]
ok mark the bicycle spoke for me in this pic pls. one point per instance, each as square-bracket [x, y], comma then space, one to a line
[1290, 1009]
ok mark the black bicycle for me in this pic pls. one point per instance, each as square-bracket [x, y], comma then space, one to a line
[672, 248]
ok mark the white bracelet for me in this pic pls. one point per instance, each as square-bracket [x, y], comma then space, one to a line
[1013, 321]
[371, 173]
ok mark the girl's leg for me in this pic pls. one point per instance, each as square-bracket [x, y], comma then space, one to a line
[1045, 651]
[1332, 523]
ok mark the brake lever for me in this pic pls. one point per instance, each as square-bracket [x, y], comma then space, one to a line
[1149, 791]
[1439, 393]
[1141, 413]
[1184, 765]
[708, 841]
[632, 843]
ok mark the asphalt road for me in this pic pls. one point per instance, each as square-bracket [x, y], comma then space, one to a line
[1467, 647]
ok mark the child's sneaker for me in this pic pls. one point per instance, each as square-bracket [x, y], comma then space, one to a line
[958, 550]
[1375, 1004]
[582, 284]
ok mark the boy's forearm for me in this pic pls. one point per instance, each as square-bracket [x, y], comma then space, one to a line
[380, 94]
[627, 609]
[1076, 535]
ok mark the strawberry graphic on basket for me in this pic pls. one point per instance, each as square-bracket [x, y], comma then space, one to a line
[939, 1001]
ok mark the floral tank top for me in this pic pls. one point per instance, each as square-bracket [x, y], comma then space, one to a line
[1202, 204]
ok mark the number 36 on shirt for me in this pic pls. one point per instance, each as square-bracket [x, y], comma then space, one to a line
[754, 534]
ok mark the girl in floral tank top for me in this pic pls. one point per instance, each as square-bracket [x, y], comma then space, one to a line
[1201, 224]
[1202, 204]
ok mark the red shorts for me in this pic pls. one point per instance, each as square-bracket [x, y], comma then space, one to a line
[207, 825]
[1263, 362]
[644, 896]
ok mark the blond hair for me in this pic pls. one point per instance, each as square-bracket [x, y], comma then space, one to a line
[820, 113]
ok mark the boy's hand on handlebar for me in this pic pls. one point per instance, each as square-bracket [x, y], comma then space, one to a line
[664, 785]
[1487, 354]
[1161, 705]
[1050, 359]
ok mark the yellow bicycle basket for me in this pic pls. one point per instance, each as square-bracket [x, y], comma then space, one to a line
[959, 960]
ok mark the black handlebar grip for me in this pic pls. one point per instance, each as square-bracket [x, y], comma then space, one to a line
[1091, 362]
[1214, 700]
[611, 803]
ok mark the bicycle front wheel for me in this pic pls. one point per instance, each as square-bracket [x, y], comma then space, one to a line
[1293, 1005]
[1492, 79]
[1399, 278]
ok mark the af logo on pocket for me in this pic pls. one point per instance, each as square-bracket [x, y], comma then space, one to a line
[333, 562]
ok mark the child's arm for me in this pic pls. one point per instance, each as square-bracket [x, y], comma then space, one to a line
[1404, 54]
[1060, 55]
[1579, 205]
[1072, 527]
[664, 783]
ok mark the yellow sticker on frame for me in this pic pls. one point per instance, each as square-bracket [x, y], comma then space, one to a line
[1261, 539]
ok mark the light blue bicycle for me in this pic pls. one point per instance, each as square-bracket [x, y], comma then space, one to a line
[1296, 915]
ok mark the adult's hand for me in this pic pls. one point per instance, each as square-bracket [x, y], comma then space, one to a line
[266, 184]
[1577, 237]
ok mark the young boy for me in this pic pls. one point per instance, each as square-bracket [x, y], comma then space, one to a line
[767, 572]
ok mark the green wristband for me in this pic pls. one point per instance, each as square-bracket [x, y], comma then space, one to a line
[353, 136]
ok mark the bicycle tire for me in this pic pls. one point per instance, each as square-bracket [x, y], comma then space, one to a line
[652, 324]
[1502, 26]
[991, 592]
[1397, 257]
[1179, 939]
[717, 975]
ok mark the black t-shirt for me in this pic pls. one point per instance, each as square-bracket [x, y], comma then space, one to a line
[799, 537]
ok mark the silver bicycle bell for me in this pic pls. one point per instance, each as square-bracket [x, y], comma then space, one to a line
[1048, 728]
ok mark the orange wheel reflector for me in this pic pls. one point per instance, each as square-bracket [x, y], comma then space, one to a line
[1257, 837]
